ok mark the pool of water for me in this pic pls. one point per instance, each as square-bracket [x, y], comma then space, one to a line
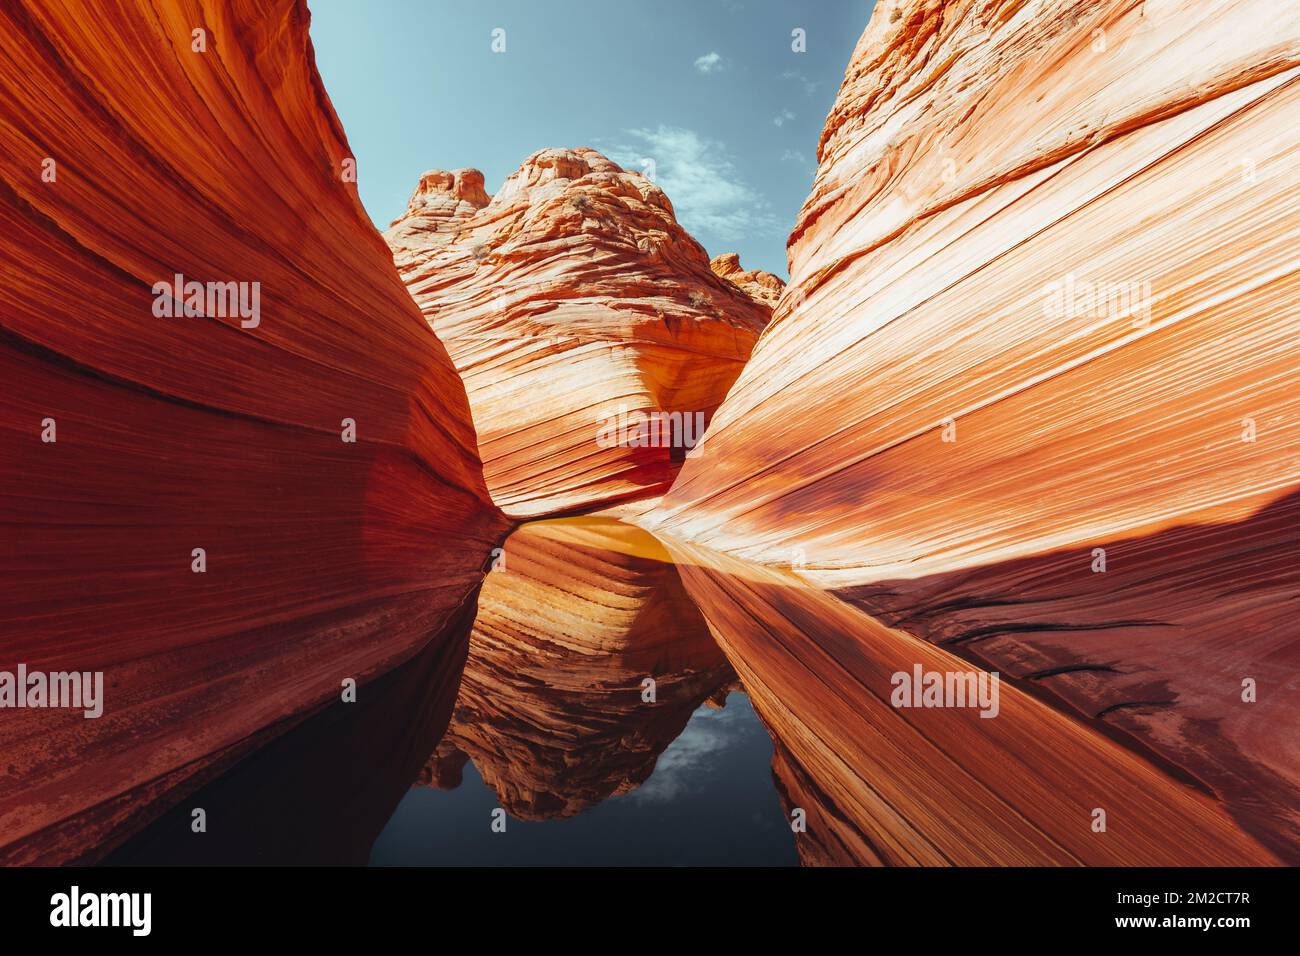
[609, 698]
[710, 801]
[537, 720]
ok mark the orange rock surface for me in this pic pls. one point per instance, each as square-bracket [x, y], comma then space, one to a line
[1044, 300]
[883, 785]
[215, 155]
[758, 285]
[571, 299]
[552, 706]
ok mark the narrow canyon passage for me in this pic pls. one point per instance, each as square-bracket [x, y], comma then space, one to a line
[531, 531]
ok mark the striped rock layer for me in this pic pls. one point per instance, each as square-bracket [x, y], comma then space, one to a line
[1031, 390]
[883, 785]
[142, 141]
[757, 284]
[570, 300]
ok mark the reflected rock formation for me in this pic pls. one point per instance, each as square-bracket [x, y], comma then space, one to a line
[881, 784]
[1031, 392]
[183, 508]
[572, 302]
[551, 707]
[321, 793]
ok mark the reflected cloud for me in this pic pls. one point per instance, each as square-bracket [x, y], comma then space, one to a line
[678, 770]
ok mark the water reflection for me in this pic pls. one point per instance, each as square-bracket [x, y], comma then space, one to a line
[590, 709]
[586, 661]
[322, 791]
[709, 802]
[595, 710]
[883, 785]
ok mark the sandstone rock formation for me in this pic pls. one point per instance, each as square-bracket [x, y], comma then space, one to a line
[552, 705]
[571, 300]
[883, 785]
[204, 146]
[1044, 300]
[758, 285]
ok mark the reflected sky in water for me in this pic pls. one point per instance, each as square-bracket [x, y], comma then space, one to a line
[710, 801]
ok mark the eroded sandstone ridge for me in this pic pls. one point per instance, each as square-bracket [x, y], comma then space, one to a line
[144, 141]
[758, 285]
[1031, 393]
[570, 301]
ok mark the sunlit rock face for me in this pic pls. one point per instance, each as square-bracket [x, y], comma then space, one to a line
[757, 284]
[1044, 300]
[882, 784]
[129, 437]
[554, 708]
[572, 302]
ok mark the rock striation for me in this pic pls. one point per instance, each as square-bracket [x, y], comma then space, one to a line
[758, 285]
[886, 785]
[573, 303]
[185, 508]
[1033, 378]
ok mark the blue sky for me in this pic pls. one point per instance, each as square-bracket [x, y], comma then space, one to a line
[710, 90]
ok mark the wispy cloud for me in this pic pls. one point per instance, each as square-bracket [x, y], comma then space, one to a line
[795, 156]
[679, 768]
[783, 117]
[701, 180]
[809, 86]
[711, 62]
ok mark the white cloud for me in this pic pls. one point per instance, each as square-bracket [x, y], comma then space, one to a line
[711, 62]
[794, 156]
[782, 117]
[809, 86]
[702, 182]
